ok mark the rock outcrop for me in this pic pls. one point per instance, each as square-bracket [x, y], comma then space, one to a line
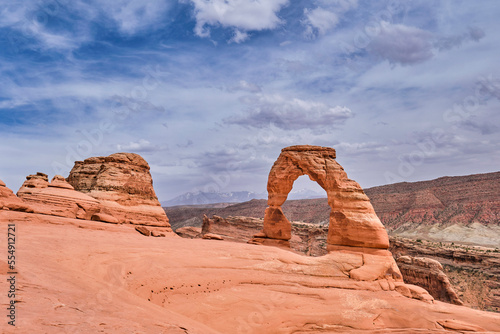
[353, 222]
[429, 274]
[56, 198]
[308, 239]
[9, 201]
[123, 185]
[474, 272]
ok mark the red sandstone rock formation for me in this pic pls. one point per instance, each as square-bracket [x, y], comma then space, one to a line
[474, 271]
[57, 198]
[86, 277]
[353, 221]
[9, 201]
[123, 185]
[428, 273]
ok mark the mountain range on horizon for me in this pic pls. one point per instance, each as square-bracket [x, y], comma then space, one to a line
[452, 208]
[201, 198]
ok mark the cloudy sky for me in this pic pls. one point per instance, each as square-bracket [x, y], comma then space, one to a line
[210, 91]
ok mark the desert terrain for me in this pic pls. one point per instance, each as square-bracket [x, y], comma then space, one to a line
[78, 276]
[94, 252]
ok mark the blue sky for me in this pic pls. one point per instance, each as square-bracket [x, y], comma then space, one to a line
[209, 91]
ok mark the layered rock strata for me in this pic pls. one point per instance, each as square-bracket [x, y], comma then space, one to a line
[56, 198]
[353, 222]
[9, 201]
[473, 271]
[123, 185]
[429, 274]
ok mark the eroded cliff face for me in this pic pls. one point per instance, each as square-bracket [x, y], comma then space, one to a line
[123, 185]
[459, 209]
[429, 274]
[473, 271]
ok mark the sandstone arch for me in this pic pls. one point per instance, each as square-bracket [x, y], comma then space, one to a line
[353, 221]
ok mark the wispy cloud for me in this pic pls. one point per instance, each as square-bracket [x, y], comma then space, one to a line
[402, 44]
[87, 78]
[289, 114]
[446, 43]
[324, 18]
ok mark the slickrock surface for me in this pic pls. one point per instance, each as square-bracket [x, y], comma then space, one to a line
[57, 198]
[353, 221]
[123, 185]
[9, 201]
[90, 277]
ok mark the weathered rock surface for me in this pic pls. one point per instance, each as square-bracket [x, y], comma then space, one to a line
[9, 201]
[474, 272]
[143, 230]
[123, 185]
[429, 274]
[308, 239]
[189, 232]
[105, 218]
[353, 221]
[57, 198]
[109, 278]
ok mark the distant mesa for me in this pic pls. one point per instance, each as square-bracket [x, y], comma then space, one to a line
[353, 221]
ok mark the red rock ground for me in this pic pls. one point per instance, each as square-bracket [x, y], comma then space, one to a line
[78, 276]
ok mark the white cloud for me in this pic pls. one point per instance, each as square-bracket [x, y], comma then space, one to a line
[141, 145]
[402, 44]
[289, 114]
[239, 37]
[133, 16]
[321, 19]
[244, 15]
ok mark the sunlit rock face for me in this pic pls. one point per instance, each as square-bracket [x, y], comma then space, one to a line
[56, 198]
[353, 222]
[9, 201]
[124, 186]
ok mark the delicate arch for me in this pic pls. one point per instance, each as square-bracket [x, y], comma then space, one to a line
[353, 222]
